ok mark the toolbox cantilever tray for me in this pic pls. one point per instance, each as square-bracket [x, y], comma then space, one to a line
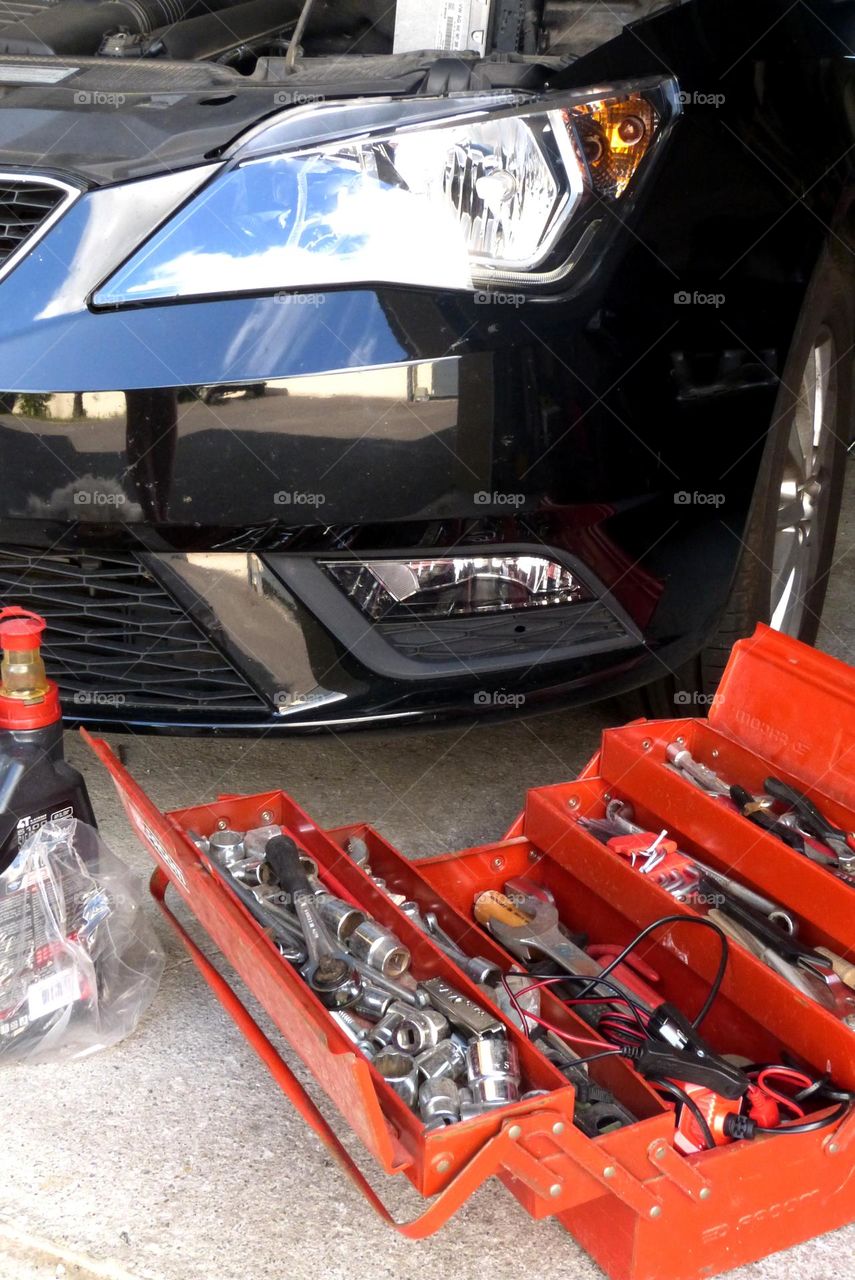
[640, 1207]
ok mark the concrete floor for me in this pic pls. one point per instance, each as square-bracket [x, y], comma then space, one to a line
[173, 1157]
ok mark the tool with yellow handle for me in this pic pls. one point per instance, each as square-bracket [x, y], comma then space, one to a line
[845, 969]
[493, 905]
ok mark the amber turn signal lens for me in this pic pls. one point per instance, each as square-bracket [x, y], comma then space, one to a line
[614, 136]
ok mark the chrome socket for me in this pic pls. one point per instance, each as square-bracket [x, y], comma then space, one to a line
[421, 1029]
[493, 1072]
[228, 846]
[379, 948]
[256, 840]
[399, 1070]
[383, 1033]
[251, 871]
[374, 1002]
[445, 1060]
[357, 850]
[339, 916]
[439, 1100]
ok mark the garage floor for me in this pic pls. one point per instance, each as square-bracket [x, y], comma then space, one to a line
[171, 1157]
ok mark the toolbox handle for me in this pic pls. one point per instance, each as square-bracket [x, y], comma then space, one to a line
[502, 1152]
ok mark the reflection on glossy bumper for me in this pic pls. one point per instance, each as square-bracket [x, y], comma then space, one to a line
[294, 451]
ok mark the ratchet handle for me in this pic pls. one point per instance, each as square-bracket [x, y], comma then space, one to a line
[284, 859]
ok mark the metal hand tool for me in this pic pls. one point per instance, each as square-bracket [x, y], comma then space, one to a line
[541, 936]
[481, 971]
[400, 988]
[439, 1102]
[421, 1029]
[399, 1070]
[460, 1011]
[696, 772]
[339, 916]
[227, 846]
[762, 816]
[283, 927]
[447, 1059]
[330, 974]
[378, 947]
[811, 820]
[808, 984]
[493, 1071]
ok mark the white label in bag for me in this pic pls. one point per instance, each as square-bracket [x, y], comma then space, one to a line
[52, 993]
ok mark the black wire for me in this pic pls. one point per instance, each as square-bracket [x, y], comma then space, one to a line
[809, 1125]
[595, 1057]
[617, 993]
[668, 1086]
[656, 924]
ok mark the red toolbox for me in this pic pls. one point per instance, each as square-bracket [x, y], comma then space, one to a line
[641, 1208]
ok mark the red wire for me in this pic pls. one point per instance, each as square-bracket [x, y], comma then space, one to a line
[604, 999]
[567, 1035]
[789, 1074]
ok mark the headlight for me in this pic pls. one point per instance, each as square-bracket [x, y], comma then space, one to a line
[487, 191]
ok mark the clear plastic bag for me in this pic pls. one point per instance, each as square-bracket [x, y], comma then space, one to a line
[79, 962]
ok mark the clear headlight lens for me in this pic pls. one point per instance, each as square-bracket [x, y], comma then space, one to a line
[454, 586]
[441, 204]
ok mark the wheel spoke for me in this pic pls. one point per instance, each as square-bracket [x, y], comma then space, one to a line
[800, 506]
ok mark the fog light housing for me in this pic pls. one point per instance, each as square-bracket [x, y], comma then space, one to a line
[455, 586]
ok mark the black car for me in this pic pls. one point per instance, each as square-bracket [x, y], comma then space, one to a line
[349, 383]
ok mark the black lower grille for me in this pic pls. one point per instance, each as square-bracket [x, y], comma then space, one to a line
[116, 641]
[24, 205]
[507, 635]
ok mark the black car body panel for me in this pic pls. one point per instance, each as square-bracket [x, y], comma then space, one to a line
[617, 421]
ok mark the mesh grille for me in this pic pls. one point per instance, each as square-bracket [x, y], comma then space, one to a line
[24, 206]
[116, 639]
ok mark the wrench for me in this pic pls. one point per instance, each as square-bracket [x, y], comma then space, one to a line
[542, 935]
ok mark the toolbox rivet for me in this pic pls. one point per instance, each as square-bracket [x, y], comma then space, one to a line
[222, 824]
[705, 1193]
[515, 1131]
[714, 753]
[833, 1148]
[266, 816]
[555, 1190]
[498, 864]
[533, 855]
[660, 1153]
[443, 1166]
[656, 1210]
[646, 744]
[558, 1127]
[607, 797]
[681, 741]
[609, 1171]
[573, 802]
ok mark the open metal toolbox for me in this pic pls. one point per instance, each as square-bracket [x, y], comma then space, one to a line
[642, 1209]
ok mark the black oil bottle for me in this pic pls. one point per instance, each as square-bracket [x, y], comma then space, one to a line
[36, 783]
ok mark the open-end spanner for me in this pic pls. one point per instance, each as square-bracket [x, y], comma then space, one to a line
[541, 935]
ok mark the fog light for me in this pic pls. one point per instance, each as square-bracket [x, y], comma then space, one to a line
[454, 586]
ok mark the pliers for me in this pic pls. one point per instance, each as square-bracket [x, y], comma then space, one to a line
[811, 821]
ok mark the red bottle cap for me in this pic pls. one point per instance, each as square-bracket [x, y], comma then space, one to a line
[20, 629]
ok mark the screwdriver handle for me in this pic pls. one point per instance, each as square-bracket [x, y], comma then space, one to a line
[284, 859]
[493, 905]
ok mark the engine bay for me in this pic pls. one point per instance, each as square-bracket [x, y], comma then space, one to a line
[417, 45]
